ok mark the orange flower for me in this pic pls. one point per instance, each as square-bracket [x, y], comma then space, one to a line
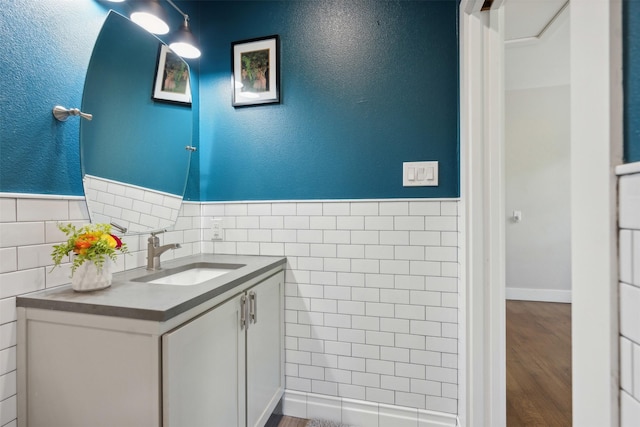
[84, 242]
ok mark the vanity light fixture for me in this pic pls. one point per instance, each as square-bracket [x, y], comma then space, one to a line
[151, 16]
[183, 42]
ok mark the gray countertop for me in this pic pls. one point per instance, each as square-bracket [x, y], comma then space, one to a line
[151, 301]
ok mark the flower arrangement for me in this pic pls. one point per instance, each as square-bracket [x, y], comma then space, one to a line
[89, 243]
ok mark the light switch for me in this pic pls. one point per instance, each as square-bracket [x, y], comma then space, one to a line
[411, 174]
[419, 174]
[429, 173]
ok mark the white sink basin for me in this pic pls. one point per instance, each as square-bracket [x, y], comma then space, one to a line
[189, 275]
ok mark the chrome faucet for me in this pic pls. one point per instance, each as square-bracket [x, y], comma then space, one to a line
[154, 250]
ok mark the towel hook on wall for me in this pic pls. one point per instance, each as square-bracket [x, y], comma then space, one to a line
[62, 114]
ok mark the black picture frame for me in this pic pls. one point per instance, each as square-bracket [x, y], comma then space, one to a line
[172, 79]
[255, 71]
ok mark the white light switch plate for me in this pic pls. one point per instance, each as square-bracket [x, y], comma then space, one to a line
[420, 174]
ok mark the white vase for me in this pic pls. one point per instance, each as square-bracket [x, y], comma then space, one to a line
[88, 277]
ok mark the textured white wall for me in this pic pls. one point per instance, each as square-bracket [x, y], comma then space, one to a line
[537, 145]
[538, 249]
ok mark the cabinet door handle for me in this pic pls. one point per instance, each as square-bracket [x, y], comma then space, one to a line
[243, 312]
[253, 307]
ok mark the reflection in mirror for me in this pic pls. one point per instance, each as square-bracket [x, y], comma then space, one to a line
[133, 155]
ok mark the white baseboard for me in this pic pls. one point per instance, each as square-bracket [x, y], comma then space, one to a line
[358, 413]
[542, 295]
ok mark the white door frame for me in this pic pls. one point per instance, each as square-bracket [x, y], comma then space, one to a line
[596, 141]
[596, 148]
[482, 360]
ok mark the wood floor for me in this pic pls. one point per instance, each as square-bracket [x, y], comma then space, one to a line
[292, 422]
[277, 420]
[538, 364]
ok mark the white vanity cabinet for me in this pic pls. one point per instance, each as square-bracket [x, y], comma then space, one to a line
[265, 350]
[202, 367]
[223, 367]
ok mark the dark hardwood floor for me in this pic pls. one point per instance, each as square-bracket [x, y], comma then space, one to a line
[538, 364]
[292, 422]
[277, 420]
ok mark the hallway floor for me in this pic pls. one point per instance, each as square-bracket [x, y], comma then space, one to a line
[277, 420]
[538, 364]
[292, 422]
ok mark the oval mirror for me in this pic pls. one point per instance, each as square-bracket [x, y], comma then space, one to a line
[136, 151]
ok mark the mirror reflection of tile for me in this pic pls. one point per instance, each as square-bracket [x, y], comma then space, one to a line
[130, 206]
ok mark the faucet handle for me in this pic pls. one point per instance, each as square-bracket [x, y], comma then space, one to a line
[154, 233]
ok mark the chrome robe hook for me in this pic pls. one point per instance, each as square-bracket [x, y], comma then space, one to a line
[62, 114]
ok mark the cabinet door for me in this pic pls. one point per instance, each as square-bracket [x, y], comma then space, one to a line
[79, 376]
[265, 361]
[203, 370]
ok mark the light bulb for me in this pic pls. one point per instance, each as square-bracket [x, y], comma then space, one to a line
[150, 22]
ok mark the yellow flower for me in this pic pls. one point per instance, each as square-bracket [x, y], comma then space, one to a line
[110, 240]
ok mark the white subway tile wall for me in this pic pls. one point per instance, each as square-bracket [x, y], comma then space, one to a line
[28, 231]
[629, 274]
[371, 294]
[130, 206]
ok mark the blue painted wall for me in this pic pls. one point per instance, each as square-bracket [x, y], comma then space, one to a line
[365, 85]
[47, 45]
[631, 38]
